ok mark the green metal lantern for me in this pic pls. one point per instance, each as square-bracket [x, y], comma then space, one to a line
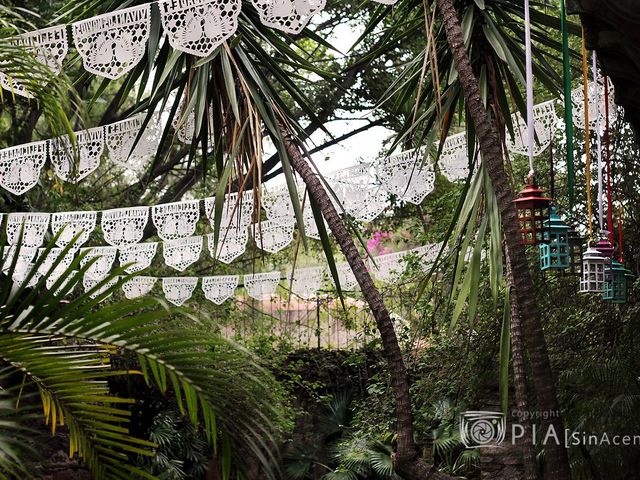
[555, 252]
[576, 249]
[616, 282]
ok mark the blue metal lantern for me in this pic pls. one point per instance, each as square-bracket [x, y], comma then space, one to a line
[555, 252]
[616, 281]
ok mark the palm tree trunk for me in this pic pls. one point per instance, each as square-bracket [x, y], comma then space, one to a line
[407, 461]
[557, 462]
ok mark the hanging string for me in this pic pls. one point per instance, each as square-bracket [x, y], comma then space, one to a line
[529, 79]
[587, 148]
[616, 186]
[552, 174]
[596, 89]
[608, 158]
[568, 108]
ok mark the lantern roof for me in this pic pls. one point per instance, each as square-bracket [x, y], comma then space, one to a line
[533, 194]
[555, 222]
[604, 245]
[593, 255]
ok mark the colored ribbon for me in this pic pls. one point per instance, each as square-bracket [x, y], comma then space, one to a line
[594, 70]
[568, 107]
[529, 79]
[608, 158]
[587, 149]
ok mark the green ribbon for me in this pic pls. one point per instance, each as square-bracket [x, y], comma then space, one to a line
[568, 119]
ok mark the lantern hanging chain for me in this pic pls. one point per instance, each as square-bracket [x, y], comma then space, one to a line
[568, 107]
[596, 90]
[529, 86]
[607, 146]
[587, 149]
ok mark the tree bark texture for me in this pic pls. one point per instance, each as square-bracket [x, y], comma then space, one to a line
[557, 462]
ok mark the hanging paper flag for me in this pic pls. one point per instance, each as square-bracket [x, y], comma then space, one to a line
[90, 283]
[20, 166]
[232, 243]
[545, 123]
[388, 267]
[199, 26]
[49, 46]
[358, 193]
[181, 253]
[429, 253]
[185, 127]
[70, 224]
[20, 277]
[272, 237]
[35, 226]
[261, 285]
[112, 44]
[105, 256]
[138, 256]
[346, 276]
[219, 288]
[596, 109]
[53, 255]
[121, 137]
[310, 225]
[237, 211]
[24, 259]
[138, 286]
[386, 2]
[90, 145]
[278, 206]
[454, 158]
[179, 289]
[124, 226]
[408, 175]
[307, 281]
[176, 220]
[290, 16]
[53, 278]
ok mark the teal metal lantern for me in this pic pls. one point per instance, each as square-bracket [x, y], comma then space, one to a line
[616, 282]
[555, 252]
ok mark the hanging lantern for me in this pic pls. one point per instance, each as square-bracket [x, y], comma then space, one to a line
[575, 252]
[555, 252]
[532, 209]
[615, 287]
[593, 265]
[604, 245]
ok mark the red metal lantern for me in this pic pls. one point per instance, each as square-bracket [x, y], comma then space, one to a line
[604, 245]
[532, 210]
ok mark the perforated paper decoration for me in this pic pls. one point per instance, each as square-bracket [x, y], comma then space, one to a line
[91, 282]
[112, 44]
[90, 145]
[428, 253]
[388, 267]
[237, 211]
[219, 288]
[176, 220]
[185, 129]
[261, 285]
[49, 46]
[20, 277]
[138, 286]
[124, 226]
[71, 224]
[310, 225]
[178, 290]
[105, 256]
[408, 175]
[577, 104]
[290, 16]
[545, 122]
[25, 258]
[346, 276]
[278, 206]
[272, 237]
[386, 2]
[179, 254]
[232, 243]
[358, 193]
[20, 166]
[307, 281]
[138, 256]
[35, 226]
[52, 256]
[199, 26]
[121, 138]
[51, 280]
[454, 158]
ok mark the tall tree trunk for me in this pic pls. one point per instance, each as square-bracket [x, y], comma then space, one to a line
[520, 384]
[407, 461]
[557, 462]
